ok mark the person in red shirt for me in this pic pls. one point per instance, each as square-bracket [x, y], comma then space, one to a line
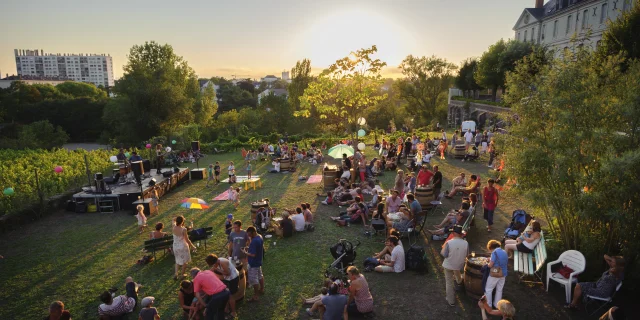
[424, 176]
[211, 291]
[490, 198]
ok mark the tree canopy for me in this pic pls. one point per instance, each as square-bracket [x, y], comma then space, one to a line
[300, 79]
[465, 80]
[622, 35]
[500, 58]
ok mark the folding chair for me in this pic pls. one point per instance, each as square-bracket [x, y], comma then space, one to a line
[602, 301]
[437, 204]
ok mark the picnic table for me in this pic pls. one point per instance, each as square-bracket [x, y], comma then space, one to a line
[253, 183]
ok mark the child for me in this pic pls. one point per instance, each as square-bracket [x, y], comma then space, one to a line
[216, 172]
[233, 196]
[232, 173]
[209, 174]
[148, 311]
[329, 199]
[142, 219]
[228, 224]
[442, 147]
[249, 170]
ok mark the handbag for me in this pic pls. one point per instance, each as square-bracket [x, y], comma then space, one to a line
[496, 272]
[565, 272]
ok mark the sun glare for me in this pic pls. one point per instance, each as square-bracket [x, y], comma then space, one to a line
[335, 36]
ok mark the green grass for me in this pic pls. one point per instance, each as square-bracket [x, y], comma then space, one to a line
[74, 257]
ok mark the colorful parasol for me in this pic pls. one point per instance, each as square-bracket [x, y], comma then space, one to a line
[194, 203]
[337, 151]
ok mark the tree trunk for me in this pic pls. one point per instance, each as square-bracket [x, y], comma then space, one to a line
[494, 93]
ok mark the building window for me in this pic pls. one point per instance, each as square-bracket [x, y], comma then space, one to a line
[585, 17]
[519, 39]
[626, 5]
[525, 36]
[542, 32]
[532, 33]
[568, 24]
[603, 13]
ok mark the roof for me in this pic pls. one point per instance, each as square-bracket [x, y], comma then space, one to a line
[549, 9]
[203, 82]
[537, 13]
[277, 92]
[270, 76]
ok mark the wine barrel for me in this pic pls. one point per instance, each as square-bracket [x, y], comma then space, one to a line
[473, 277]
[459, 151]
[424, 195]
[285, 164]
[328, 176]
[255, 206]
[242, 283]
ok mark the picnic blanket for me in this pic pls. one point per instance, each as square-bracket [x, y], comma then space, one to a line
[241, 178]
[316, 178]
[222, 197]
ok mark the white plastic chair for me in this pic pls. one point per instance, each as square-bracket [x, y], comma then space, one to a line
[602, 300]
[438, 203]
[574, 260]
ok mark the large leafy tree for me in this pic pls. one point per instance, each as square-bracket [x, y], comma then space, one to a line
[465, 80]
[425, 79]
[500, 58]
[81, 90]
[343, 91]
[622, 35]
[574, 150]
[157, 94]
[205, 107]
[300, 79]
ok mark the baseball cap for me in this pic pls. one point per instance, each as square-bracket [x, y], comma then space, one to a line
[147, 301]
[457, 229]
[230, 216]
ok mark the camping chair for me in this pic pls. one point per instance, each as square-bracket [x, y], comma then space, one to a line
[574, 260]
[437, 204]
[602, 301]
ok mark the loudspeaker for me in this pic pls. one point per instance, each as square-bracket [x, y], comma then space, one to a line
[71, 206]
[167, 174]
[138, 168]
[81, 207]
[98, 176]
[176, 169]
[146, 165]
[195, 145]
[197, 174]
[152, 182]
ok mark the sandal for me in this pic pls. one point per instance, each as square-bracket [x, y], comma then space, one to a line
[570, 306]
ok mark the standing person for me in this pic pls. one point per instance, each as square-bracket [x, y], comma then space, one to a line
[412, 182]
[399, 182]
[454, 253]
[362, 168]
[249, 169]
[437, 182]
[484, 141]
[232, 173]
[490, 198]
[444, 135]
[360, 301]
[442, 148]
[210, 174]
[478, 138]
[492, 153]
[424, 177]
[142, 219]
[255, 253]
[238, 239]
[216, 172]
[181, 246]
[228, 224]
[468, 139]
[234, 196]
[229, 272]
[454, 140]
[407, 147]
[211, 292]
[498, 267]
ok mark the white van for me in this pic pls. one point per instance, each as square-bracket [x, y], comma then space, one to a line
[468, 125]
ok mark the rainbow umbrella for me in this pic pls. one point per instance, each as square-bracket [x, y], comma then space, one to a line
[194, 203]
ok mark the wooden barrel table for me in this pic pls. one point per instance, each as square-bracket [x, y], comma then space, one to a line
[255, 206]
[329, 174]
[285, 164]
[459, 151]
[242, 283]
[473, 275]
[424, 195]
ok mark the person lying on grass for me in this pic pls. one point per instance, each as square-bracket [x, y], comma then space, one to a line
[359, 214]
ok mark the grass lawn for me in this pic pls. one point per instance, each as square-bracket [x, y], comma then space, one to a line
[74, 257]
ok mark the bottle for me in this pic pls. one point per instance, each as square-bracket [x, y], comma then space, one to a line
[191, 225]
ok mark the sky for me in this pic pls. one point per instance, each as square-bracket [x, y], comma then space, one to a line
[250, 38]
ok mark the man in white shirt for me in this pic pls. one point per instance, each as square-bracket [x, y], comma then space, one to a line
[396, 263]
[298, 220]
[468, 139]
[454, 253]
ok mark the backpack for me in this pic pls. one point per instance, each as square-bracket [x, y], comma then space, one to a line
[416, 259]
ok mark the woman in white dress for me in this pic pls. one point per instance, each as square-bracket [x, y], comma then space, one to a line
[181, 246]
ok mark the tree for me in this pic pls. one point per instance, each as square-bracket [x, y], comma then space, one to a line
[344, 90]
[42, 134]
[574, 150]
[622, 35]
[465, 80]
[275, 112]
[81, 90]
[233, 97]
[300, 79]
[501, 58]
[247, 85]
[158, 93]
[206, 106]
[229, 121]
[425, 79]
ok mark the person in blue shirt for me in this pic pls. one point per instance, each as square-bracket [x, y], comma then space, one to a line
[255, 254]
[499, 259]
[135, 157]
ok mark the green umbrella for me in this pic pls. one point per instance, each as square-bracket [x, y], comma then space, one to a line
[337, 151]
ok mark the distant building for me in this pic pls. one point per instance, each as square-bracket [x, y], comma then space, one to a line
[554, 24]
[285, 76]
[6, 83]
[270, 79]
[89, 68]
[205, 83]
[277, 92]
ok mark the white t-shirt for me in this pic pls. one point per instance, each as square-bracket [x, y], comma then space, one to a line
[233, 194]
[426, 158]
[298, 220]
[231, 170]
[233, 272]
[270, 148]
[397, 255]
[277, 166]
[468, 136]
[346, 174]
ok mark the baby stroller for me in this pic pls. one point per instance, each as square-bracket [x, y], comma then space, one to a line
[345, 253]
[519, 221]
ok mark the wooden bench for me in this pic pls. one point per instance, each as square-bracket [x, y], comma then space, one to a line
[166, 242]
[523, 262]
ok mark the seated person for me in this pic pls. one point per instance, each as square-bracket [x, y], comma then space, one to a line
[395, 263]
[375, 200]
[459, 181]
[461, 218]
[306, 212]
[376, 169]
[113, 306]
[276, 167]
[285, 227]
[55, 311]
[450, 218]
[353, 207]
[356, 216]
[526, 242]
[354, 192]
[346, 174]
[393, 202]
[470, 188]
[157, 234]
[406, 221]
[605, 286]
[329, 199]
[391, 164]
[298, 219]
[386, 251]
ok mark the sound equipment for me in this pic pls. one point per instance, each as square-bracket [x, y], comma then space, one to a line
[81, 207]
[152, 182]
[124, 170]
[71, 205]
[98, 176]
[148, 204]
[147, 165]
[197, 174]
[167, 174]
[176, 169]
[195, 145]
[138, 168]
